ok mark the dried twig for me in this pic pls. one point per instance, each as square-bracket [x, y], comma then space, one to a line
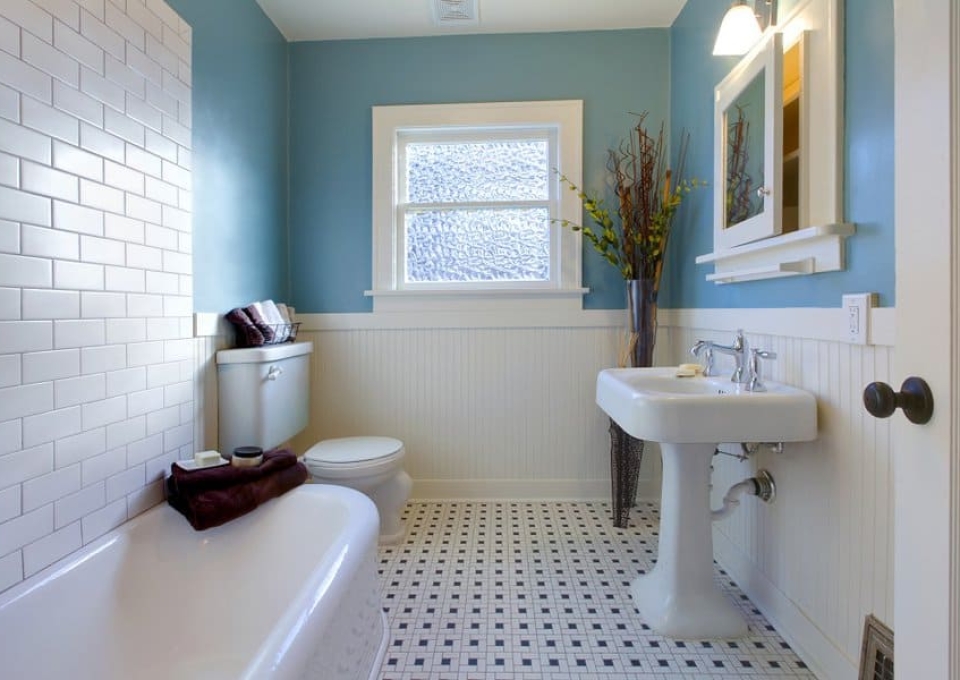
[648, 195]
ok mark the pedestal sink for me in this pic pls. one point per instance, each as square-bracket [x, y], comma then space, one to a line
[689, 417]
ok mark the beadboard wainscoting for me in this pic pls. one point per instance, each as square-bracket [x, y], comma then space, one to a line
[503, 410]
[484, 413]
[819, 558]
[96, 271]
[212, 332]
[205, 396]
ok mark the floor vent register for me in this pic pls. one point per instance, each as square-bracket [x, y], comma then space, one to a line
[876, 653]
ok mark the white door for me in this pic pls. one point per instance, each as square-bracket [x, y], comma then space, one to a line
[926, 463]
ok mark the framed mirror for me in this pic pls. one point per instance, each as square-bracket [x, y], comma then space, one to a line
[748, 126]
[778, 195]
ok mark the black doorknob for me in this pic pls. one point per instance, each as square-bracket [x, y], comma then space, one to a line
[914, 397]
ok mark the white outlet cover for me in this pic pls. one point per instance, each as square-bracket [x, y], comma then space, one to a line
[856, 316]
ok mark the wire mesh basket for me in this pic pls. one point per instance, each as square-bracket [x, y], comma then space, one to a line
[276, 334]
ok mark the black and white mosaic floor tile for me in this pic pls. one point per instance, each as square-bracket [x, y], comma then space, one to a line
[540, 591]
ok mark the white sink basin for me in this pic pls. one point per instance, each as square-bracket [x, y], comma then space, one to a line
[654, 404]
[679, 598]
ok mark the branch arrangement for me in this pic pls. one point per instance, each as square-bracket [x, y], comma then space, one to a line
[648, 195]
[739, 181]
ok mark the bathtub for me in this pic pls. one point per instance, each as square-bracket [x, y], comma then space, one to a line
[287, 591]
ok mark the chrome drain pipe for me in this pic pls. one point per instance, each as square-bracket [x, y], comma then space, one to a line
[762, 486]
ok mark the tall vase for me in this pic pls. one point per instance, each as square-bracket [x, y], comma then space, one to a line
[642, 320]
[626, 451]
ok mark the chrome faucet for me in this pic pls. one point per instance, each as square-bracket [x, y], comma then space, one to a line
[747, 371]
[739, 350]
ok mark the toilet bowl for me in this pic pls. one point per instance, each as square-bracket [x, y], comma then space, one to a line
[371, 465]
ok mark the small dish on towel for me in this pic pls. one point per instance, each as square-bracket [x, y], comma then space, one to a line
[192, 464]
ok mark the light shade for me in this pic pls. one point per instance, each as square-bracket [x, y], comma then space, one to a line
[739, 31]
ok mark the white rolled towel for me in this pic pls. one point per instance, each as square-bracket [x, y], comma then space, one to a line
[287, 315]
[273, 317]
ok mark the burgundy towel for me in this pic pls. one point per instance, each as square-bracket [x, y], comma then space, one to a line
[257, 318]
[207, 509]
[186, 482]
[247, 332]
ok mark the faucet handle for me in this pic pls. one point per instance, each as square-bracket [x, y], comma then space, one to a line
[708, 368]
[756, 382]
[703, 350]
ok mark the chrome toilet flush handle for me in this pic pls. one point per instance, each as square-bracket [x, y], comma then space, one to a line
[274, 373]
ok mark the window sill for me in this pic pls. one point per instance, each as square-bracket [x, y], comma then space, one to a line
[504, 299]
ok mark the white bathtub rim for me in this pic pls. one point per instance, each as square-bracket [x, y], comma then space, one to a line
[289, 636]
[260, 665]
[88, 551]
[69, 562]
[382, 651]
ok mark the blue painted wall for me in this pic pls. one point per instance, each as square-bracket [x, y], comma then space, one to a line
[240, 137]
[253, 93]
[334, 85]
[868, 165]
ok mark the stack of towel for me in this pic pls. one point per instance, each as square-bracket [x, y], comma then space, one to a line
[209, 497]
[262, 323]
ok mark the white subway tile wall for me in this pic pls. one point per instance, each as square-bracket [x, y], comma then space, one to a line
[9, 371]
[96, 349]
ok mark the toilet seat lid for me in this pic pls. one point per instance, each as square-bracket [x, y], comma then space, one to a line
[351, 450]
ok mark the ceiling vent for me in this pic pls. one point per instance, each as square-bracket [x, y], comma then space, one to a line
[455, 13]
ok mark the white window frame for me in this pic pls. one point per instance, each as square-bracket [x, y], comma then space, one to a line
[391, 124]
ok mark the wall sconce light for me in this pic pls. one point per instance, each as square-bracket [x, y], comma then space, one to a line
[742, 27]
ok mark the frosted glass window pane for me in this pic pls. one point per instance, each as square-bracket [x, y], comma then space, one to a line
[506, 170]
[511, 244]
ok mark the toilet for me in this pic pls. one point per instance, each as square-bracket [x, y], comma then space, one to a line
[264, 400]
[372, 465]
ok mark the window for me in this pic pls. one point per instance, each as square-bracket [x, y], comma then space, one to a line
[475, 207]
[465, 197]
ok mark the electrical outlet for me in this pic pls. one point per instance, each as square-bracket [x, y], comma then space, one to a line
[856, 316]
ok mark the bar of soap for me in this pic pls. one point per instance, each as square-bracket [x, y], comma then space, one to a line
[206, 458]
[689, 370]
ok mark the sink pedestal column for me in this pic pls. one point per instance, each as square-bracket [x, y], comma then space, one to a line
[679, 597]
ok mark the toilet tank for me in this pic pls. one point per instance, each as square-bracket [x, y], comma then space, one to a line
[264, 394]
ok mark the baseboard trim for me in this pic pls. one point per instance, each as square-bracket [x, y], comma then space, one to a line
[820, 654]
[525, 489]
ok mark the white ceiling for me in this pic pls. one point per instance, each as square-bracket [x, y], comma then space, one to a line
[347, 19]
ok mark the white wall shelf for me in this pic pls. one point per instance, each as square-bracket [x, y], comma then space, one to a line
[807, 251]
